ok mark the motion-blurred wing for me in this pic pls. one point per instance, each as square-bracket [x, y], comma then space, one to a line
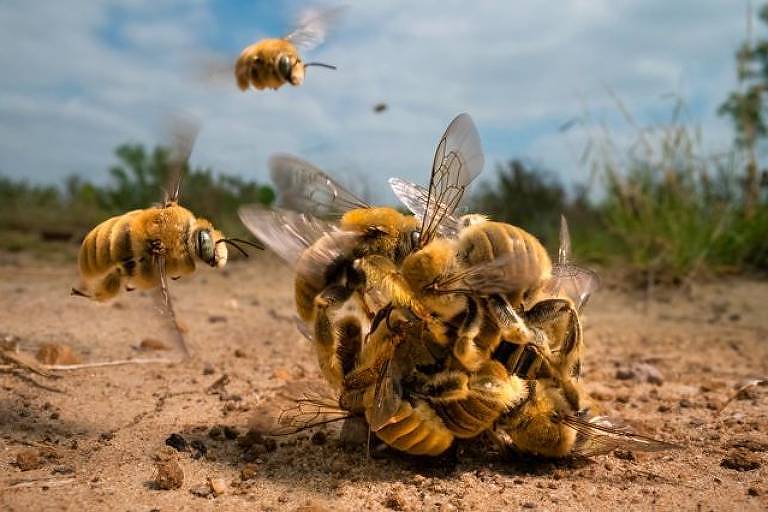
[303, 187]
[285, 232]
[166, 305]
[313, 25]
[184, 132]
[599, 435]
[458, 160]
[415, 198]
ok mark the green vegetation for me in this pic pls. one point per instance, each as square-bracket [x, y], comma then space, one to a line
[31, 213]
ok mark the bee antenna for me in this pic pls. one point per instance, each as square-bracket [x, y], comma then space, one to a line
[320, 64]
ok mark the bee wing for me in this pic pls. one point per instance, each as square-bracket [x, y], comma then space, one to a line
[166, 304]
[458, 160]
[415, 198]
[600, 435]
[305, 188]
[386, 401]
[568, 280]
[313, 25]
[574, 282]
[290, 233]
[307, 412]
[500, 275]
[184, 132]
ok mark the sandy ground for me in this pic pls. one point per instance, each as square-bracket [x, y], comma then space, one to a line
[102, 434]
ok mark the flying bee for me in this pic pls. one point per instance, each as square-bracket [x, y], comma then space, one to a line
[141, 248]
[271, 63]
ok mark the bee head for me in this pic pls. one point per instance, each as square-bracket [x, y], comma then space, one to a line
[290, 68]
[384, 229]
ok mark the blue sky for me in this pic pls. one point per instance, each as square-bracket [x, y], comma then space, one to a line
[82, 76]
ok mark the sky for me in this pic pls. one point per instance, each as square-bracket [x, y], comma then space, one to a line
[81, 77]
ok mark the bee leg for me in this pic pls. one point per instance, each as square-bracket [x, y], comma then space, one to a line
[77, 293]
[559, 321]
[465, 350]
[326, 335]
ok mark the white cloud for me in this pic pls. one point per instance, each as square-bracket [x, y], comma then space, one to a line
[520, 68]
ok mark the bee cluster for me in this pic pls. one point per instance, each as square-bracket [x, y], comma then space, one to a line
[434, 327]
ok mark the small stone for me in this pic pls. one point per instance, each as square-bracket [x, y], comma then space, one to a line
[152, 344]
[281, 374]
[625, 374]
[29, 459]
[319, 438]
[168, 475]
[528, 504]
[753, 491]
[685, 403]
[249, 472]
[56, 353]
[208, 369]
[740, 459]
[624, 454]
[63, 470]
[177, 442]
[230, 433]
[106, 436]
[216, 432]
[394, 500]
[239, 353]
[201, 490]
[664, 408]
[217, 319]
[199, 449]
[250, 438]
[218, 486]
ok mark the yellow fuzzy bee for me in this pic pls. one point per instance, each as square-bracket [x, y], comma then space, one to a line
[142, 248]
[271, 63]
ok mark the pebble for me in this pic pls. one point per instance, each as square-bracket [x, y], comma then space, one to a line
[177, 442]
[740, 459]
[149, 344]
[168, 475]
[29, 459]
[218, 486]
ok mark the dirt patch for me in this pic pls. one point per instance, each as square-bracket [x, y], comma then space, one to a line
[664, 367]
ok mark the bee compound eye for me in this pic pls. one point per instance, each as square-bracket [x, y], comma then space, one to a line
[205, 247]
[284, 67]
[415, 237]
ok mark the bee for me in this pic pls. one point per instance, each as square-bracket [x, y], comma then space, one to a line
[554, 422]
[141, 248]
[271, 63]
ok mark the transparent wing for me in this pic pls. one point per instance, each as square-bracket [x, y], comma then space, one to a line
[307, 412]
[458, 160]
[305, 188]
[285, 232]
[568, 280]
[500, 275]
[599, 435]
[184, 131]
[313, 25]
[386, 400]
[573, 282]
[415, 198]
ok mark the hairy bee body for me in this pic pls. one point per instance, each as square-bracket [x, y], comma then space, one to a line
[469, 403]
[535, 427]
[381, 231]
[270, 63]
[119, 252]
[482, 242]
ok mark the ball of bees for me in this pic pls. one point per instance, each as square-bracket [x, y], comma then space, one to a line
[464, 326]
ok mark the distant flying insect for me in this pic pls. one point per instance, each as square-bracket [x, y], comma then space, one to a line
[270, 63]
[141, 248]
[380, 107]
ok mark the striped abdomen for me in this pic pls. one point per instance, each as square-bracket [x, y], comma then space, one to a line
[484, 396]
[414, 429]
[487, 241]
